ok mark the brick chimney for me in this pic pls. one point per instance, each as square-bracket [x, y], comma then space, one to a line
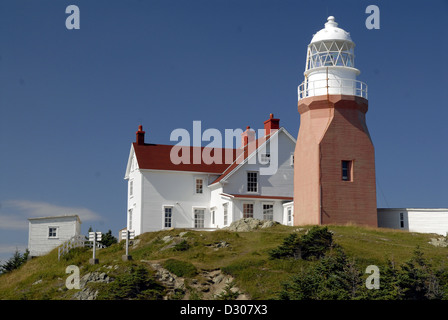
[140, 135]
[271, 124]
[247, 136]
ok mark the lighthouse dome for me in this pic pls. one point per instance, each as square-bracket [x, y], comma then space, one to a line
[330, 64]
[331, 32]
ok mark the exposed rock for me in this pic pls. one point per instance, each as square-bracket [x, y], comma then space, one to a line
[208, 285]
[37, 282]
[439, 242]
[249, 224]
[171, 242]
[87, 293]
[219, 245]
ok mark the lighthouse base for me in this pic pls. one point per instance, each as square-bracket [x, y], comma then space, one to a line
[334, 163]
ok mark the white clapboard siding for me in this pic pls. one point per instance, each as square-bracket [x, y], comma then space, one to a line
[39, 242]
[427, 220]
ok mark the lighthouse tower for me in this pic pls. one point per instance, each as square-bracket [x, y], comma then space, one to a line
[334, 159]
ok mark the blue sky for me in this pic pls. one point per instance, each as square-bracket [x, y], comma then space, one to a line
[71, 100]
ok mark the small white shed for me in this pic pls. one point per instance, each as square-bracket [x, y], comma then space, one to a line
[47, 233]
[424, 220]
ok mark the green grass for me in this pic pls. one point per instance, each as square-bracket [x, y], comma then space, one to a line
[246, 258]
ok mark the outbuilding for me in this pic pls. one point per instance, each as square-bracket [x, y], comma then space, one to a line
[47, 233]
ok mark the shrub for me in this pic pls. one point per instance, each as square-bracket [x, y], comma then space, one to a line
[15, 262]
[228, 293]
[334, 277]
[136, 284]
[290, 248]
[181, 246]
[313, 244]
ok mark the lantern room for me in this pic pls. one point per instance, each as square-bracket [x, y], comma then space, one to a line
[330, 66]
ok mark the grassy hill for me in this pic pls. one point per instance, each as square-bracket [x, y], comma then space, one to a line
[242, 255]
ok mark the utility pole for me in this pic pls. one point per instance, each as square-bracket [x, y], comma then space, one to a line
[94, 237]
[128, 235]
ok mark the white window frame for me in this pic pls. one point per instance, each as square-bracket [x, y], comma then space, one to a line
[265, 158]
[263, 210]
[131, 188]
[213, 215]
[253, 207]
[56, 232]
[291, 159]
[248, 182]
[289, 216]
[196, 185]
[225, 213]
[197, 220]
[165, 217]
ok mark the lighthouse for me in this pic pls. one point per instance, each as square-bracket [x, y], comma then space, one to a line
[334, 158]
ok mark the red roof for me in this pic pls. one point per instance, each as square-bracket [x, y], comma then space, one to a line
[158, 157]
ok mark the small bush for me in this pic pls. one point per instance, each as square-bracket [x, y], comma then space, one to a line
[181, 246]
[228, 293]
[136, 284]
[15, 262]
[180, 268]
[312, 245]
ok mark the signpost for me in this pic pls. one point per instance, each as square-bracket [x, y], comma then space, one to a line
[94, 237]
[128, 235]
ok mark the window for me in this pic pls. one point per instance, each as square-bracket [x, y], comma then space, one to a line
[268, 212]
[131, 188]
[252, 181]
[248, 210]
[52, 232]
[199, 186]
[291, 160]
[265, 158]
[289, 216]
[401, 220]
[199, 218]
[347, 170]
[225, 214]
[213, 216]
[168, 212]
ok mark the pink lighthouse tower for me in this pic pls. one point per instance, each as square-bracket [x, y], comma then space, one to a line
[334, 159]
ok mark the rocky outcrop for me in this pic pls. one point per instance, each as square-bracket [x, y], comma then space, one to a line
[249, 224]
[439, 242]
[86, 292]
[208, 285]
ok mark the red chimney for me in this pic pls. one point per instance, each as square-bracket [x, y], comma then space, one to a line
[247, 137]
[271, 124]
[140, 135]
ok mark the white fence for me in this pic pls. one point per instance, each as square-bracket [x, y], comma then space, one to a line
[76, 242]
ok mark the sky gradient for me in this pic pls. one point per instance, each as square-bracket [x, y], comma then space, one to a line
[71, 100]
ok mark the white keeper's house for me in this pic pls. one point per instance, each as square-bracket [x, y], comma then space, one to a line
[212, 187]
